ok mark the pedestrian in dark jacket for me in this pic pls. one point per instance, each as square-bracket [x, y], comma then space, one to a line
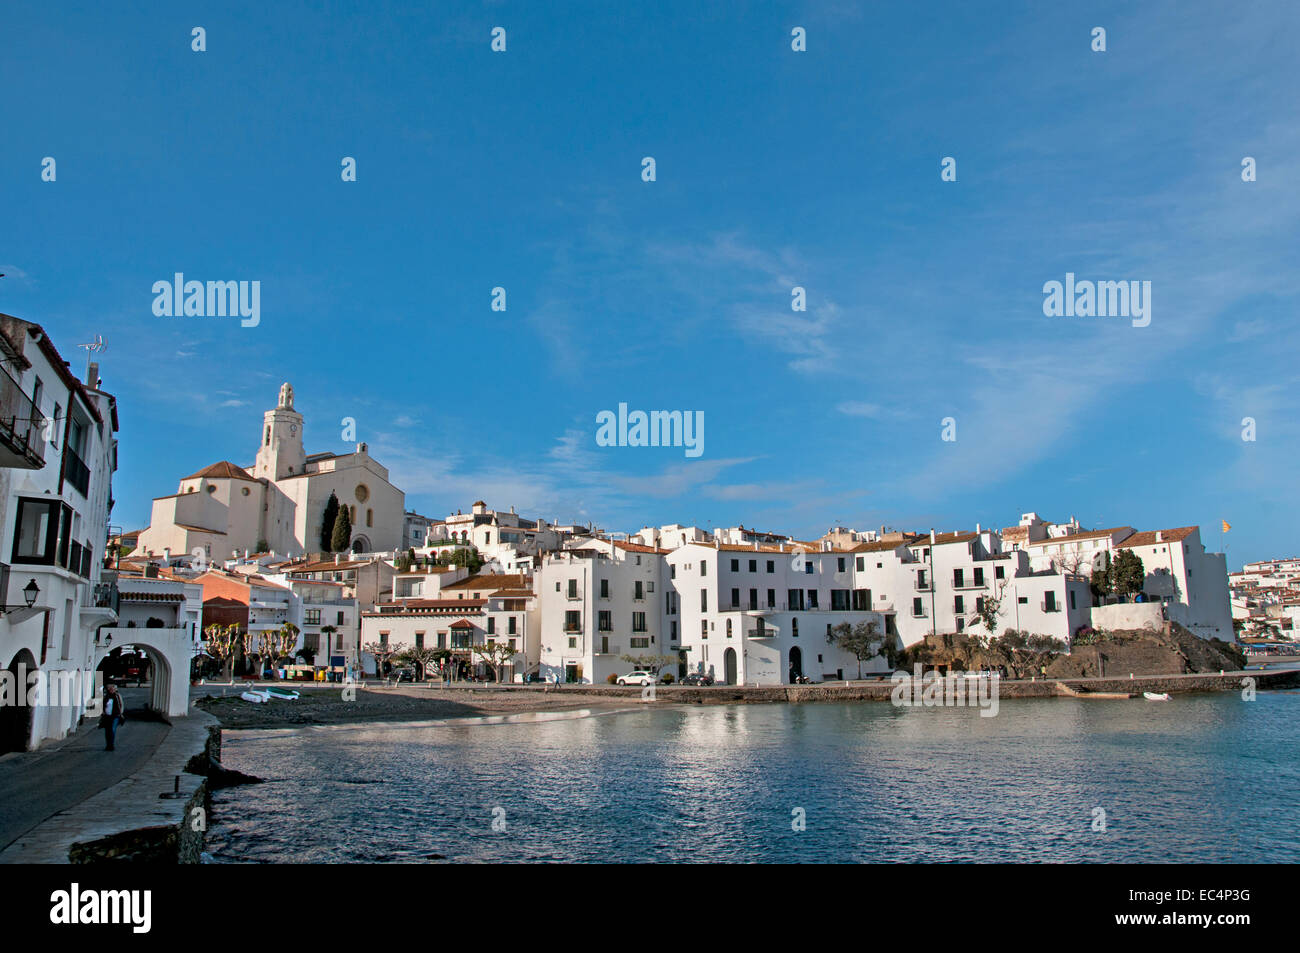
[111, 717]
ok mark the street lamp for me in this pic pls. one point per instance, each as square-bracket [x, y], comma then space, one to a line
[30, 592]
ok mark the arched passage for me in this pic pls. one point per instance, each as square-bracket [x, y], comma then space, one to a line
[729, 665]
[16, 714]
[156, 675]
[170, 653]
[796, 663]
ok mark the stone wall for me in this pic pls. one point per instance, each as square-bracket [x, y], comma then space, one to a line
[1128, 615]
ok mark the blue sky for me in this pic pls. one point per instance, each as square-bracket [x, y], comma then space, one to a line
[774, 169]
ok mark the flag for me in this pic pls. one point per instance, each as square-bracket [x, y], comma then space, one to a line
[1226, 527]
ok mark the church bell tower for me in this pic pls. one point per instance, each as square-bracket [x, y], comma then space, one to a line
[280, 452]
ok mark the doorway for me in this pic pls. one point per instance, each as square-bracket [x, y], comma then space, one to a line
[796, 664]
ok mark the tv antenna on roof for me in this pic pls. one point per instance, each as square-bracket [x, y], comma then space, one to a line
[93, 347]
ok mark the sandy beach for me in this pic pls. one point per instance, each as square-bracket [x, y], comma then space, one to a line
[325, 705]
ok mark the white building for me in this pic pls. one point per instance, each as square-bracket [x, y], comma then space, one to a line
[761, 615]
[280, 501]
[58, 452]
[488, 608]
[163, 617]
[600, 600]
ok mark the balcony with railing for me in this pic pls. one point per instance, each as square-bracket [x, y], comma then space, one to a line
[1049, 606]
[921, 584]
[106, 596]
[75, 471]
[22, 427]
[573, 593]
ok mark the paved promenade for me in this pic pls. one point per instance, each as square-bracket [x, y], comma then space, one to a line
[75, 791]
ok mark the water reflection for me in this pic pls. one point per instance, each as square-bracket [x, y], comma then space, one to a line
[1201, 778]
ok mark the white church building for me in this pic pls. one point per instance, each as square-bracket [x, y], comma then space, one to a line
[279, 501]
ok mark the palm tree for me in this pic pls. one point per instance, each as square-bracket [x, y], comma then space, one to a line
[328, 631]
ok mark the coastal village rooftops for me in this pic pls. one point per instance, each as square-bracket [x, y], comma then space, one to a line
[750, 547]
[428, 607]
[942, 539]
[1148, 538]
[883, 546]
[1086, 534]
[638, 548]
[492, 581]
[329, 565]
[222, 470]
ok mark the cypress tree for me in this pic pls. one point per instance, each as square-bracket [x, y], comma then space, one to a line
[341, 538]
[327, 523]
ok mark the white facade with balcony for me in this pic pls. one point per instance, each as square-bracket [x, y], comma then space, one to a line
[599, 601]
[58, 451]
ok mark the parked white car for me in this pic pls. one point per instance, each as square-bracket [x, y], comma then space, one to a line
[639, 677]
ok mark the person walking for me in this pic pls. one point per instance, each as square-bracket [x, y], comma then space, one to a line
[111, 716]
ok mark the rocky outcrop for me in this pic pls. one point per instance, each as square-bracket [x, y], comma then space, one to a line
[208, 764]
[1170, 650]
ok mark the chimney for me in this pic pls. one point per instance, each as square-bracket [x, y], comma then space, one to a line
[1160, 537]
[167, 553]
[337, 558]
[932, 535]
[150, 571]
[92, 375]
[977, 528]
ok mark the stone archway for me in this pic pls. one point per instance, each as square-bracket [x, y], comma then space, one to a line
[170, 651]
[361, 544]
[16, 714]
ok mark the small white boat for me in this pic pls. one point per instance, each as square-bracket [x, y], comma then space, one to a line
[256, 697]
[1156, 696]
[281, 694]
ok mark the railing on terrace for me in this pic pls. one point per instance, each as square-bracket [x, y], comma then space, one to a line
[106, 596]
[22, 425]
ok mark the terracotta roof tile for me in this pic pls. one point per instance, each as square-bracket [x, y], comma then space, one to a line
[1148, 538]
[222, 470]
